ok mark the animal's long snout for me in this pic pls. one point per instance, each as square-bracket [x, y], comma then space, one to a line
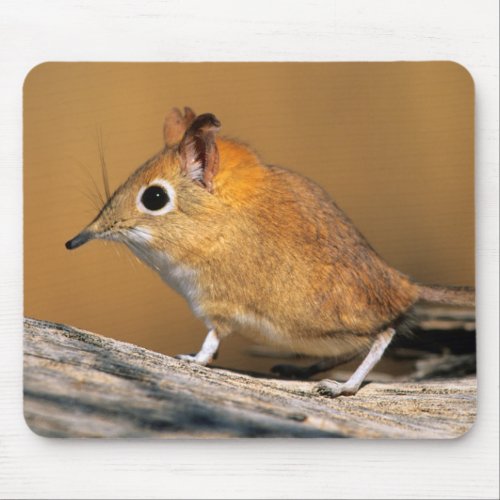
[79, 240]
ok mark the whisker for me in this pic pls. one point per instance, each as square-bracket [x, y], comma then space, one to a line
[90, 198]
[104, 168]
[131, 259]
[91, 177]
[117, 251]
[133, 244]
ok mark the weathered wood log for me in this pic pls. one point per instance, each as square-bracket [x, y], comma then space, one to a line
[77, 383]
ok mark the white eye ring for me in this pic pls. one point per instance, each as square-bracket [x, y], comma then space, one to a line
[170, 192]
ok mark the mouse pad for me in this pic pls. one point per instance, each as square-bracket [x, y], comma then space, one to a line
[218, 250]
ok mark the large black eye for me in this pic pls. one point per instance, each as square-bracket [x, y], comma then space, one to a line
[154, 198]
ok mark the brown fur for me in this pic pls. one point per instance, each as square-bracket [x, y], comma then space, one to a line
[460, 296]
[272, 256]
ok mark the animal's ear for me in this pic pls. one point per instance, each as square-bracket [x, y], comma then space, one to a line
[198, 151]
[176, 124]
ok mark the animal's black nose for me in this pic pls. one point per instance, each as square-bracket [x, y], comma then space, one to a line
[78, 240]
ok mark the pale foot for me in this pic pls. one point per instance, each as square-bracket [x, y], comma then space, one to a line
[194, 358]
[334, 389]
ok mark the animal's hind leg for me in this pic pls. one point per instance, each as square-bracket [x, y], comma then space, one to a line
[304, 372]
[334, 389]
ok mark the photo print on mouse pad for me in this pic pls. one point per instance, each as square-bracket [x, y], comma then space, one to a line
[216, 250]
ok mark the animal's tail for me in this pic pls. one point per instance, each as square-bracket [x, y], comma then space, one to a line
[452, 295]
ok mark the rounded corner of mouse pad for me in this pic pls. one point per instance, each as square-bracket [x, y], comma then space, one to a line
[284, 251]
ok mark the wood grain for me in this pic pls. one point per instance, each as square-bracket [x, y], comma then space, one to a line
[79, 384]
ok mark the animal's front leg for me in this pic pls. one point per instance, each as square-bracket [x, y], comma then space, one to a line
[207, 352]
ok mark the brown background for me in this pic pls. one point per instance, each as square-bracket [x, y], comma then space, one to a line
[392, 142]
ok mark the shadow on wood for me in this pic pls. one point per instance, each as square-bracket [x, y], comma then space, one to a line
[78, 384]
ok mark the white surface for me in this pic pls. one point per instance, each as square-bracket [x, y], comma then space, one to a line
[36, 31]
